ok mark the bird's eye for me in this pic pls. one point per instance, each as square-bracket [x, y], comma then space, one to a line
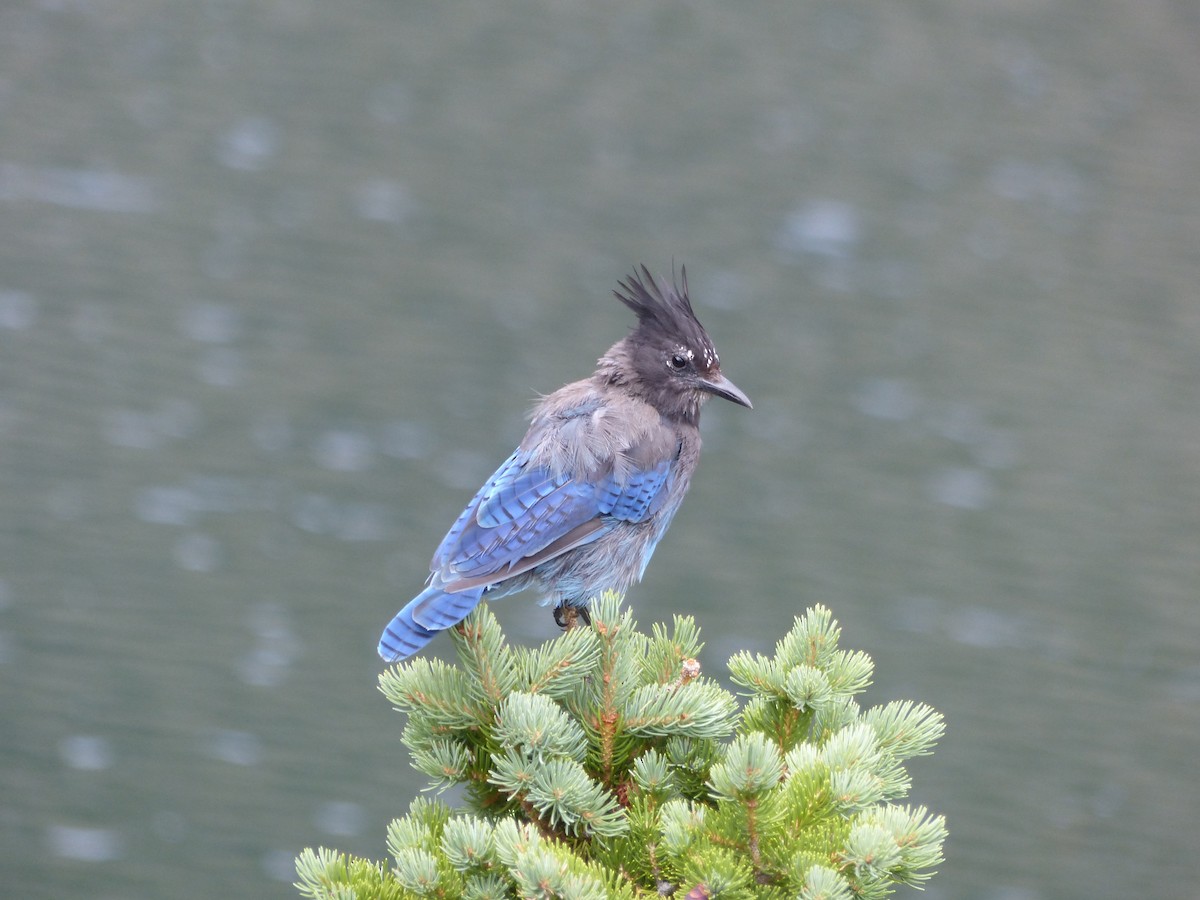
[679, 362]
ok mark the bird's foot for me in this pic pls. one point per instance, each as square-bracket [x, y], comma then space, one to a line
[567, 616]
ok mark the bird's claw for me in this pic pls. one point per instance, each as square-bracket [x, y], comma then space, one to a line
[567, 616]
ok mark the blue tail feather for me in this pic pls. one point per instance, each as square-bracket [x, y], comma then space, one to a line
[429, 612]
[436, 610]
[403, 637]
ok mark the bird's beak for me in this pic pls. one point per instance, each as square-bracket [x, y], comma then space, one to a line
[718, 384]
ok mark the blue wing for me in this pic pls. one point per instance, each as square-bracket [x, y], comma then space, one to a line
[526, 514]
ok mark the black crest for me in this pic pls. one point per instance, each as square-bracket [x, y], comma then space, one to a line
[665, 313]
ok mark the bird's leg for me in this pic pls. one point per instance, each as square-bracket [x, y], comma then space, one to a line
[567, 616]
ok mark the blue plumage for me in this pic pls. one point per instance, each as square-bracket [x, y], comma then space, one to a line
[583, 501]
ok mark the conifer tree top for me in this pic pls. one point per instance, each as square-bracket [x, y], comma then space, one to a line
[604, 764]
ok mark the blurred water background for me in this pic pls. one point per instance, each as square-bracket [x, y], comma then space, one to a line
[279, 279]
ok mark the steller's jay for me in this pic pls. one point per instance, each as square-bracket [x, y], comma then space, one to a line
[586, 497]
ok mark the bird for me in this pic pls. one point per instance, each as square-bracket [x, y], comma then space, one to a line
[581, 504]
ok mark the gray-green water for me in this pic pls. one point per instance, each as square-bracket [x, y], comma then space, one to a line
[279, 279]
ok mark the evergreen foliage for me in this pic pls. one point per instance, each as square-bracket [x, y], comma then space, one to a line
[602, 764]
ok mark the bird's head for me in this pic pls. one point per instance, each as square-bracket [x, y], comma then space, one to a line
[668, 358]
